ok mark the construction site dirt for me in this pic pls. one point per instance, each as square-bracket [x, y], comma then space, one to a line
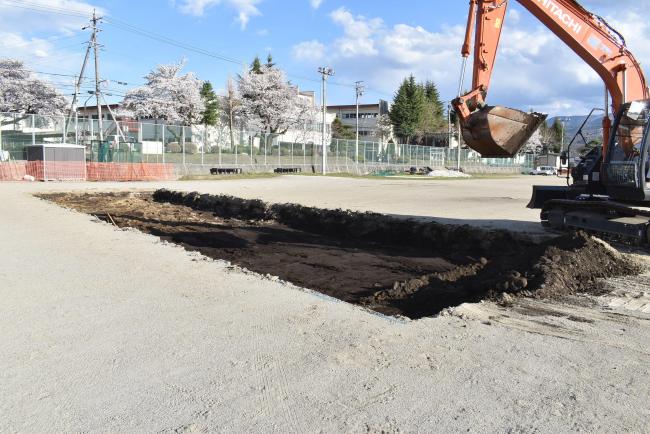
[391, 265]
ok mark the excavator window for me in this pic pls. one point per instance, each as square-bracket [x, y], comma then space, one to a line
[627, 146]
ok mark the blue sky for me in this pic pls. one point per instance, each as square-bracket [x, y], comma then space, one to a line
[379, 42]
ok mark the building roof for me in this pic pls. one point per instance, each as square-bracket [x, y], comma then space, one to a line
[94, 107]
[352, 106]
[56, 145]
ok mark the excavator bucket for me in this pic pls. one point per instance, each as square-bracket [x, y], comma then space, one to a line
[496, 131]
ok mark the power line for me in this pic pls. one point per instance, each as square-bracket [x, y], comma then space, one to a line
[49, 41]
[125, 26]
[45, 8]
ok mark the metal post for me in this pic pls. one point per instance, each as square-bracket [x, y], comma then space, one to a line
[449, 125]
[76, 127]
[376, 152]
[183, 144]
[33, 130]
[205, 135]
[359, 89]
[163, 140]
[337, 153]
[459, 148]
[325, 72]
[388, 155]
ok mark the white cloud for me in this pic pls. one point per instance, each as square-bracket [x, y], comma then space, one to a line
[315, 3]
[46, 15]
[514, 16]
[360, 32]
[62, 51]
[534, 68]
[308, 50]
[245, 8]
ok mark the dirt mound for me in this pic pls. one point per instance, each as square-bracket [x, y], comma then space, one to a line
[573, 263]
[567, 265]
[369, 227]
[392, 265]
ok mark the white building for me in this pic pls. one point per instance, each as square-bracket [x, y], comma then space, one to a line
[368, 116]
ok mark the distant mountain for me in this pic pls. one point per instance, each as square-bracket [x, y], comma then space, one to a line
[593, 129]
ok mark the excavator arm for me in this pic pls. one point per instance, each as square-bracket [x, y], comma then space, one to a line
[500, 131]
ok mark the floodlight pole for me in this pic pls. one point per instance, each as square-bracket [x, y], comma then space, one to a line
[359, 89]
[325, 72]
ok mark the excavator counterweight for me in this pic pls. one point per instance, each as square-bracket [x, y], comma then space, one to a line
[497, 131]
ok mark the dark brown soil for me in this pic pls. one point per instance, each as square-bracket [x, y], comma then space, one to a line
[394, 266]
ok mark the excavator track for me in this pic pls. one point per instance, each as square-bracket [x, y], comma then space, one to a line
[611, 220]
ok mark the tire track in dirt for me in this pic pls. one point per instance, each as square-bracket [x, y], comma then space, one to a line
[273, 376]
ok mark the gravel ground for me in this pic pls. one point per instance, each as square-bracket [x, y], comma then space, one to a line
[114, 331]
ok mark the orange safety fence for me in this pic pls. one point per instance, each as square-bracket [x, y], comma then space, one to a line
[82, 171]
[12, 171]
[130, 172]
[57, 170]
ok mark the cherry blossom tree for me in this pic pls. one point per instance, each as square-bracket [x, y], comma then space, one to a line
[384, 128]
[269, 103]
[168, 95]
[21, 92]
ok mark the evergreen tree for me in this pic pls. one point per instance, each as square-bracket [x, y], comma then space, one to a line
[211, 112]
[557, 132]
[408, 108]
[256, 66]
[433, 115]
[340, 131]
[433, 98]
[269, 61]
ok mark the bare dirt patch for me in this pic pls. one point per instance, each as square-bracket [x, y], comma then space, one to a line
[394, 266]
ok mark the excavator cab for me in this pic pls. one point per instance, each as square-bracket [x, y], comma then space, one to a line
[626, 169]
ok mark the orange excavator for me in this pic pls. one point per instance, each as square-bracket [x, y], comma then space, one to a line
[610, 192]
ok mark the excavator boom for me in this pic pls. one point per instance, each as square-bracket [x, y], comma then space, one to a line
[502, 132]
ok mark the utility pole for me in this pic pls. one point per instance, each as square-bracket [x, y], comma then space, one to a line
[80, 79]
[325, 72]
[449, 125]
[359, 89]
[231, 115]
[98, 91]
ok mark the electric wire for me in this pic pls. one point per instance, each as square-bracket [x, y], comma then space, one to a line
[125, 26]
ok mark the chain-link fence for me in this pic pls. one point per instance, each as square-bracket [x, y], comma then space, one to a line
[196, 149]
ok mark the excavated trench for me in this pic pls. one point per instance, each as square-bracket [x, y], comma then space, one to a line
[391, 265]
